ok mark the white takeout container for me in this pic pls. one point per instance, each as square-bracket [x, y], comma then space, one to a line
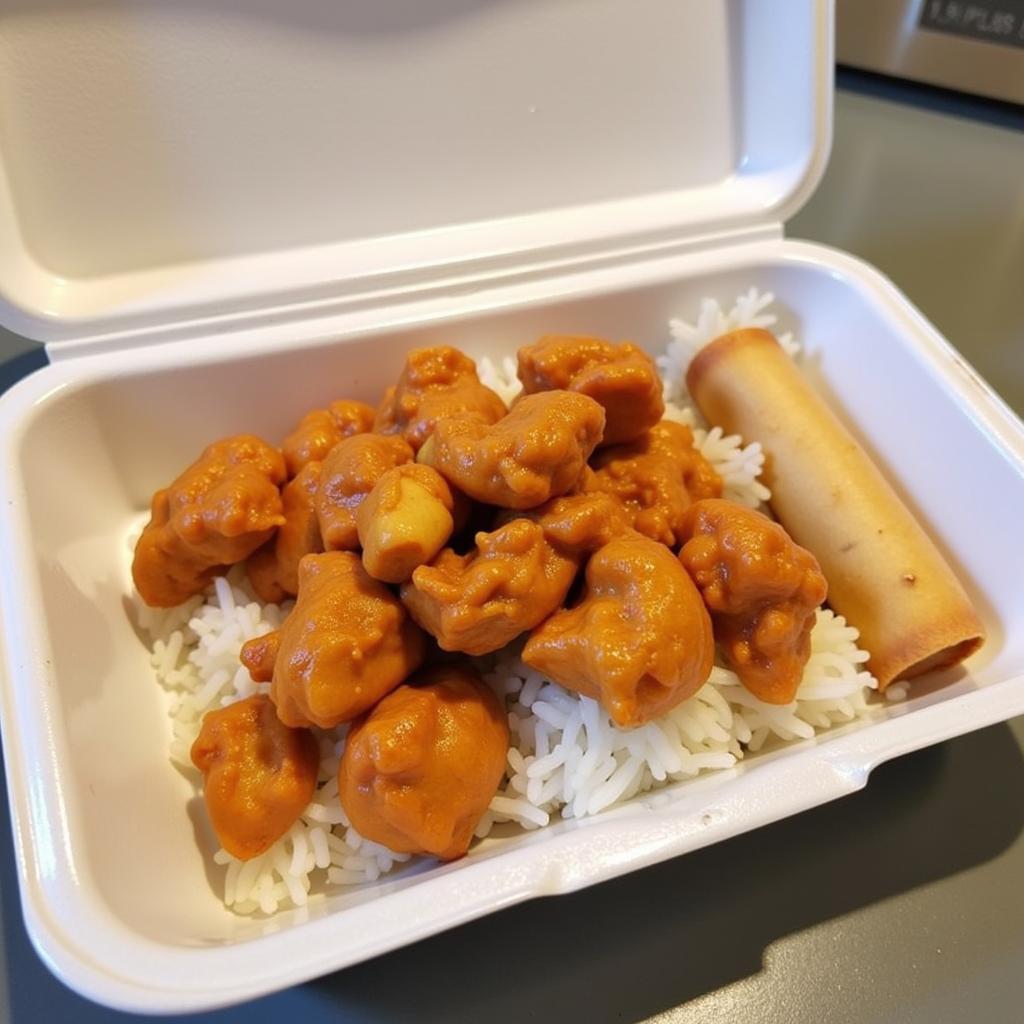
[219, 215]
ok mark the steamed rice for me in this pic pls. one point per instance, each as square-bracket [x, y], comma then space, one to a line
[566, 758]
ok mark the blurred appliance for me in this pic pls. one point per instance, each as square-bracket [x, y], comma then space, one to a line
[976, 46]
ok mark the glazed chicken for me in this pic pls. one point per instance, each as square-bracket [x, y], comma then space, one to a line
[655, 478]
[534, 453]
[622, 379]
[258, 775]
[436, 384]
[575, 524]
[478, 602]
[763, 591]
[218, 512]
[259, 656]
[274, 569]
[420, 769]
[346, 644]
[321, 429]
[640, 639]
[349, 474]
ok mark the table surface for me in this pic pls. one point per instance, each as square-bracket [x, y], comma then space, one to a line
[904, 902]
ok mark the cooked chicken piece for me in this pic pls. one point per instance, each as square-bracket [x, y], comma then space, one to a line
[640, 639]
[349, 473]
[218, 512]
[274, 569]
[347, 643]
[321, 429]
[420, 769]
[534, 453]
[655, 478]
[165, 569]
[577, 524]
[479, 601]
[763, 591]
[436, 384]
[622, 379]
[258, 775]
[259, 655]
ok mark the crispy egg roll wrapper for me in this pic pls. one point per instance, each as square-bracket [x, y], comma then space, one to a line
[884, 573]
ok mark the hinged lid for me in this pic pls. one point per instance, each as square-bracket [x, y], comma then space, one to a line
[163, 161]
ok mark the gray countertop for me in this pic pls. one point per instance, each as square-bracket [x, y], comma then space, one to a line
[902, 903]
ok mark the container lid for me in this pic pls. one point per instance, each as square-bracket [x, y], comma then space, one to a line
[163, 162]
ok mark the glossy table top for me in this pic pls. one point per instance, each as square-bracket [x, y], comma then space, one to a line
[902, 903]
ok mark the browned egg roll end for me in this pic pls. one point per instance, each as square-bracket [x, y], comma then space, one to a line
[934, 646]
[722, 348]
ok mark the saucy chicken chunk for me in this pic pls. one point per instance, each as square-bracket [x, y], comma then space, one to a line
[576, 524]
[420, 769]
[640, 639]
[478, 602]
[258, 774]
[655, 478]
[534, 453]
[349, 473]
[347, 643]
[260, 654]
[622, 379]
[404, 522]
[166, 570]
[436, 384]
[218, 512]
[321, 429]
[763, 591]
[274, 569]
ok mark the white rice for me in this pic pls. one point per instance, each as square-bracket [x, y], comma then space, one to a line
[500, 377]
[751, 309]
[566, 758]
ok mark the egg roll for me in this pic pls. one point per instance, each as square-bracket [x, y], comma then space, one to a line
[884, 573]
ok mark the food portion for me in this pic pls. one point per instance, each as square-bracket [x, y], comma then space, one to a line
[218, 512]
[404, 522]
[258, 774]
[476, 603]
[436, 384]
[566, 565]
[514, 577]
[321, 429]
[274, 569]
[884, 573]
[622, 379]
[578, 524]
[421, 768]
[536, 452]
[654, 478]
[346, 644]
[640, 639]
[763, 592]
[350, 472]
[259, 655]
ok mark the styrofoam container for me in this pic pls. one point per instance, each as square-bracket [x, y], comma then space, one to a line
[220, 215]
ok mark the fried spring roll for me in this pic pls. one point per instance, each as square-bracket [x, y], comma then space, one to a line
[884, 573]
